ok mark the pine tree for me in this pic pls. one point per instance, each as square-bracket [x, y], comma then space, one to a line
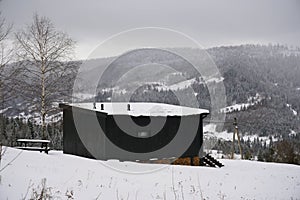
[31, 129]
[260, 156]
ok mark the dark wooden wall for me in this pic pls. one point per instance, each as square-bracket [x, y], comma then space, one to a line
[113, 143]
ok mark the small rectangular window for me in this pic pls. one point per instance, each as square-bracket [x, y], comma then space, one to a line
[143, 134]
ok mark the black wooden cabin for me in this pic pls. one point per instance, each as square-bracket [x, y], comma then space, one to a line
[132, 131]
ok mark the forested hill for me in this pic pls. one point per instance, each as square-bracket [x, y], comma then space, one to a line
[262, 87]
[273, 72]
[261, 81]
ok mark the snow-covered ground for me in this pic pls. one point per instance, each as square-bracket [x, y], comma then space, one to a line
[251, 101]
[36, 117]
[29, 113]
[188, 83]
[82, 96]
[69, 176]
[213, 79]
[176, 86]
[209, 131]
[293, 110]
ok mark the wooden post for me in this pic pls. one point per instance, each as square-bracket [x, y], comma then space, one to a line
[236, 131]
[233, 141]
[239, 142]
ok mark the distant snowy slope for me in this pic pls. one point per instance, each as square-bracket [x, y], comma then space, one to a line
[209, 131]
[251, 101]
[82, 178]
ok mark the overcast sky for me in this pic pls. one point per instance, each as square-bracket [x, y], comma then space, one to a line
[211, 23]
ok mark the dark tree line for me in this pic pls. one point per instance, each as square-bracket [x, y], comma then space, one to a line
[283, 150]
[16, 128]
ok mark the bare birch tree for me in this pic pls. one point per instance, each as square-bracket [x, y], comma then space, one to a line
[44, 55]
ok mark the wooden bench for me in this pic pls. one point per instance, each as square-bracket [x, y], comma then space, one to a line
[43, 145]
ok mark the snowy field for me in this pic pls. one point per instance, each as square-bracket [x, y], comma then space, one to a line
[71, 177]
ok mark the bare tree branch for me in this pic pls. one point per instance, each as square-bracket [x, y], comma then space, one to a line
[5, 74]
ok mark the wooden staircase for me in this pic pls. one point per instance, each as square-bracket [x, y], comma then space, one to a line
[209, 161]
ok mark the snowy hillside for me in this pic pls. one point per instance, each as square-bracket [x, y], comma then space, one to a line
[211, 133]
[71, 177]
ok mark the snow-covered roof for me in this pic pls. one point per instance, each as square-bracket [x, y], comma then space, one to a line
[141, 109]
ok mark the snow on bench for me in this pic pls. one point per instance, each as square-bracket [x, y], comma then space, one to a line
[44, 145]
[33, 141]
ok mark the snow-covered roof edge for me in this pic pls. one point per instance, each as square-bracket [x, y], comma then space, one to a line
[139, 108]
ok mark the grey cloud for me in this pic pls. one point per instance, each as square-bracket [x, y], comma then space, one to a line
[212, 23]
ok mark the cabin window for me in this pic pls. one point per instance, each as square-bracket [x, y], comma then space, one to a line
[143, 134]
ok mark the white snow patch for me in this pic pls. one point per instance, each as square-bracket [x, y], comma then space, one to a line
[290, 107]
[5, 109]
[83, 96]
[177, 86]
[182, 85]
[293, 133]
[251, 101]
[262, 139]
[36, 117]
[235, 107]
[214, 79]
[215, 153]
[209, 131]
[188, 83]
